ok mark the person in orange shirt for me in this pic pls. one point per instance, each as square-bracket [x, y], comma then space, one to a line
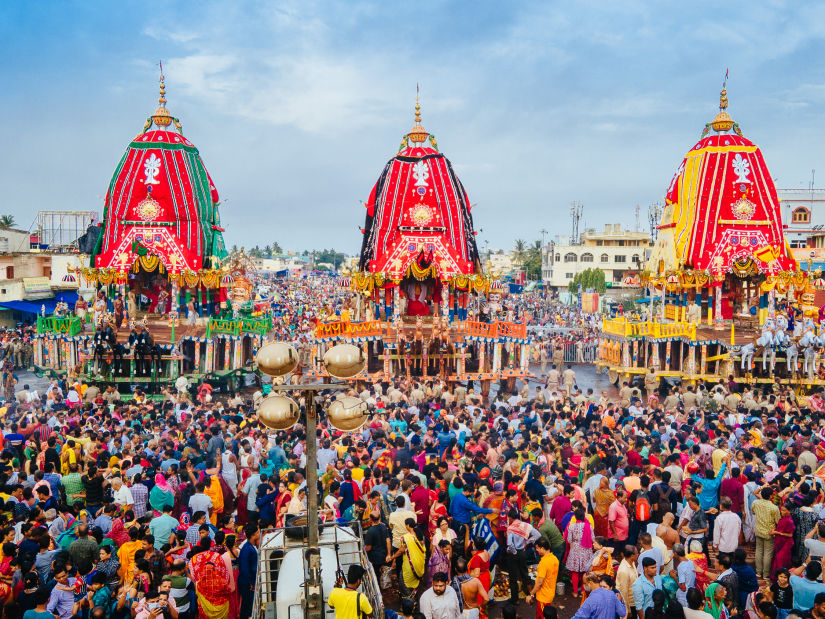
[544, 589]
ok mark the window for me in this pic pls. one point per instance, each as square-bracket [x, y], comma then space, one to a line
[801, 215]
[621, 258]
[586, 258]
[599, 242]
[568, 275]
[9, 272]
[635, 259]
[570, 257]
[558, 257]
[621, 243]
[798, 243]
[605, 258]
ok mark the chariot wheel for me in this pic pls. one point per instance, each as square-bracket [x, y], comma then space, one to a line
[613, 377]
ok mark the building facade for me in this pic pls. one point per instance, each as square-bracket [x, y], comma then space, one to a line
[803, 214]
[615, 251]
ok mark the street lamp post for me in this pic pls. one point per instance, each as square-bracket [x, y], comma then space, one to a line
[280, 412]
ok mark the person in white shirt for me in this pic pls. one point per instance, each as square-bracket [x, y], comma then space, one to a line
[726, 528]
[122, 494]
[440, 601]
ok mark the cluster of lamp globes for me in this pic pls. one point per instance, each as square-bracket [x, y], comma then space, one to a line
[280, 412]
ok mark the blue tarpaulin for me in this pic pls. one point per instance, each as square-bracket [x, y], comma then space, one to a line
[647, 299]
[34, 307]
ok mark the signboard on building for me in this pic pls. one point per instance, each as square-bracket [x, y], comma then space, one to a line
[36, 285]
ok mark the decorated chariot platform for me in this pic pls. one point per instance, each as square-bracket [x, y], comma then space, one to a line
[423, 304]
[734, 302]
[430, 348]
[169, 300]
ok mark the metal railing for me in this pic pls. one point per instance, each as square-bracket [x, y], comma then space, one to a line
[587, 353]
[270, 557]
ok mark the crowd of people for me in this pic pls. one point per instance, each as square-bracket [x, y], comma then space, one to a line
[650, 501]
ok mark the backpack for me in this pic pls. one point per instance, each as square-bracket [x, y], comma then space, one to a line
[642, 509]
[663, 504]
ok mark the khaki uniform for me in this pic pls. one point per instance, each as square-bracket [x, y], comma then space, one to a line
[569, 377]
[624, 396]
[690, 400]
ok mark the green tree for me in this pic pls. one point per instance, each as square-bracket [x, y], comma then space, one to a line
[7, 221]
[590, 279]
[531, 261]
[518, 251]
[234, 249]
[330, 256]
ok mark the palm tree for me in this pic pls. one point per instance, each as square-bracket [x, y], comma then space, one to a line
[519, 251]
[7, 221]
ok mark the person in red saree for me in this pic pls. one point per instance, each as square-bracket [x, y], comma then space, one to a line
[119, 535]
[479, 567]
[783, 541]
[282, 503]
[700, 564]
[7, 571]
[437, 510]
[212, 574]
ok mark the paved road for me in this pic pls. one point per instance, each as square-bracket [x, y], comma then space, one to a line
[34, 381]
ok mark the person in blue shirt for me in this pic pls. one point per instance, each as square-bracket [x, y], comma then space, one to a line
[709, 494]
[601, 604]
[462, 509]
[645, 585]
[445, 439]
[248, 569]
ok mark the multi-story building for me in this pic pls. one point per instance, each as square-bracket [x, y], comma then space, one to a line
[615, 251]
[803, 221]
[803, 214]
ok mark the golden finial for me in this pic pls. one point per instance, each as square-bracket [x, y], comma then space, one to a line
[418, 134]
[723, 121]
[162, 118]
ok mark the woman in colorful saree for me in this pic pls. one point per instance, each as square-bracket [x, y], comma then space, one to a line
[281, 503]
[715, 596]
[162, 494]
[603, 497]
[480, 561]
[437, 510]
[213, 582]
[700, 563]
[414, 562]
[439, 561]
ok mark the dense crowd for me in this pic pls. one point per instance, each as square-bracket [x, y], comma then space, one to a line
[117, 505]
[676, 502]
[656, 500]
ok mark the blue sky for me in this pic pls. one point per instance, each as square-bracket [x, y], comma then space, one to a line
[296, 106]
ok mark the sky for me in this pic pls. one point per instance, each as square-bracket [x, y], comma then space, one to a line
[296, 106]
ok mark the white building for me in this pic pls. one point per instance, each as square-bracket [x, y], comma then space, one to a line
[803, 214]
[615, 251]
